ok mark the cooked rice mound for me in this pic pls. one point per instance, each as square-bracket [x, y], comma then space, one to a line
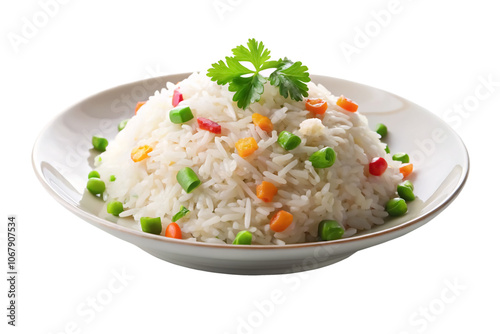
[226, 201]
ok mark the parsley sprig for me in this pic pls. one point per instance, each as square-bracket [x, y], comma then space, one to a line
[248, 84]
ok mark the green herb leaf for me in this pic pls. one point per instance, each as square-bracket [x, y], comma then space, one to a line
[290, 78]
[256, 53]
[247, 89]
[248, 84]
[183, 211]
[223, 73]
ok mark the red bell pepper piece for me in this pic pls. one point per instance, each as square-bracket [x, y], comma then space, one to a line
[206, 124]
[176, 98]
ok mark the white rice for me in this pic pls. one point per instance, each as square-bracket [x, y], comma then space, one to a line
[226, 202]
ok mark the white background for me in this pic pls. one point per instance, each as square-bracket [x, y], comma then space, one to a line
[431, 52]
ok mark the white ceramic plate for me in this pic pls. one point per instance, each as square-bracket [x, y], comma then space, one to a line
[63, 156]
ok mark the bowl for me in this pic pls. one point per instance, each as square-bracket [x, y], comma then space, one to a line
[63, 156]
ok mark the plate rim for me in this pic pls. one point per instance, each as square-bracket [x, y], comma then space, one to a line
[375, 236]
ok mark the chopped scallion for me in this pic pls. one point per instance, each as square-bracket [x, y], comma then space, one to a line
[183, 211]
[151, 225]
[180, 115]
[188, 179]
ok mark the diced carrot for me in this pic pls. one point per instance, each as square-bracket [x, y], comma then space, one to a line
[140, 153]
[139, 105]
[262, 122]
[280, 221]
[406, 170]
[173, 231]
[316, 106]
[347, 104]
[266, 191]
[246, 146]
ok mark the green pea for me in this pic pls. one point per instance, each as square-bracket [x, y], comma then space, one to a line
[243, 238]
[122, 124]
[405, 191]
[330, 230]
[381, 129]
[408, 184]
[94, 173]
[151, 225]
[99, 143]
[387, 149]
[323, 158]
[112, 178]
[115, 208]
[96, 186]
[403, 157]
[288, 140]
[396, 207]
